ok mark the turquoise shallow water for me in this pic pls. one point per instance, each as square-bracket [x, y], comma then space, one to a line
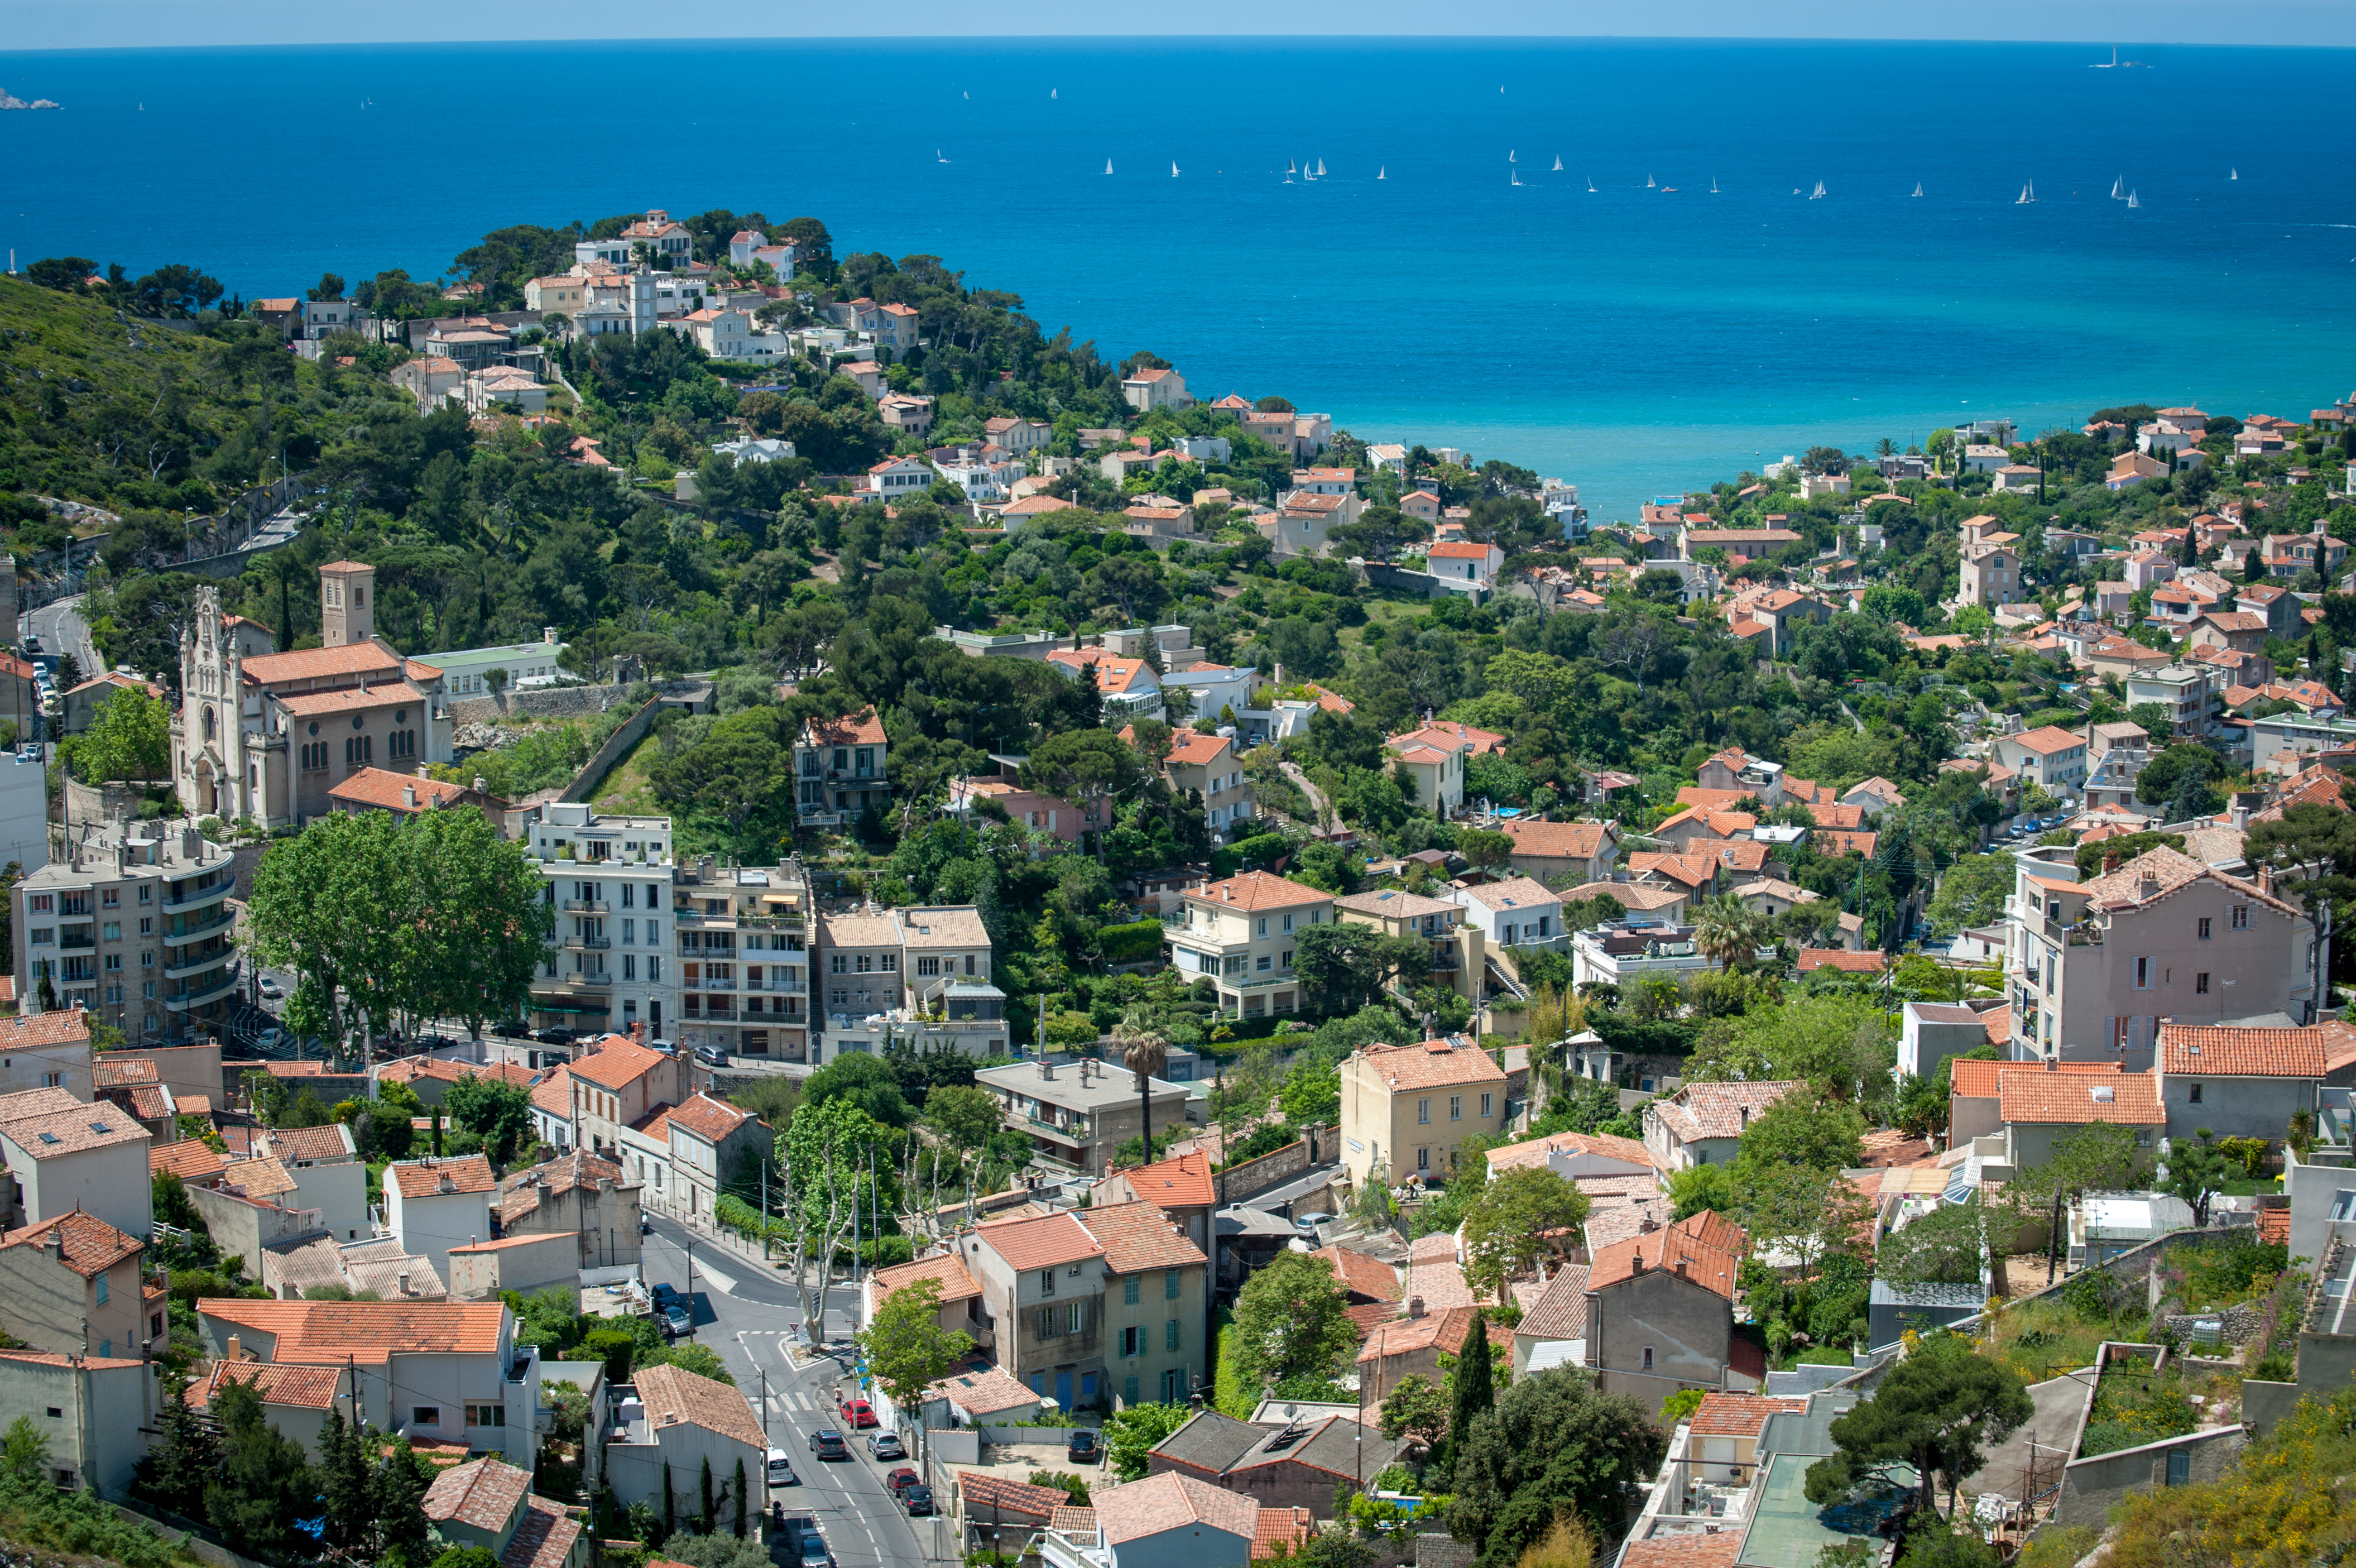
[1631, 339]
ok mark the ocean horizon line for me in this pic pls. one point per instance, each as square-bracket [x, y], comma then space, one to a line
[1371, 39]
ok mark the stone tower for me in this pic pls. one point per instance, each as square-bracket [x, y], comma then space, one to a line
[347, 614]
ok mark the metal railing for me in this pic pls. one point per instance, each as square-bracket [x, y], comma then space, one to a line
[585, 906]
[218, 890]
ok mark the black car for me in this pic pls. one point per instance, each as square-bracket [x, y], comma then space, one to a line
[827, 1443]
[1081, 1448]
[917, 1500]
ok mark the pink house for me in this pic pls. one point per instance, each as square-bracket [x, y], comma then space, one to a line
[1421, 505]
[1024, 808]
[2146, 568]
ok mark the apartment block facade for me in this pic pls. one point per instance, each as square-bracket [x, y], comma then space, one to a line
[1242, 933]
[743, 958]
[609, 886]
[133, 924]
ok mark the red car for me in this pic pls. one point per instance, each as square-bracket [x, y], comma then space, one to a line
[858, 1413]
[901, 1479]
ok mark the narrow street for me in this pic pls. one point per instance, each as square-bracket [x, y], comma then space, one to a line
[748, 1313]
[59, 626]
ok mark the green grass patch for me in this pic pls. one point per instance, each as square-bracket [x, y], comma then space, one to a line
[626, 791]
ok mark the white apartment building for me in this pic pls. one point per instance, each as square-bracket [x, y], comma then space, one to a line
[507, 667]
[2189, 693]
[133, 924]
[2096, 965]
[920, 974]
[743, 958]
[609, 884]
[1242, 933]
[2052, 756]
[1514, 912]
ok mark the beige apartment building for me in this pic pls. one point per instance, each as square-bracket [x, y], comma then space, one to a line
[743, 958]
[1207, 764]
[920, 973]
[1406, 1110]
[2098, 965]
[1241, 934]
[1458, 948]
[133, 924]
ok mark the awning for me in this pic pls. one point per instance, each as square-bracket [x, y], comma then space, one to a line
[597, 1009]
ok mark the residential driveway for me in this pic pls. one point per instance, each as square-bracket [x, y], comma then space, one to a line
[2051, 1430]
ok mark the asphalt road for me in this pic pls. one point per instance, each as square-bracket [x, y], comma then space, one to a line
[747, 1313]
[59, 625]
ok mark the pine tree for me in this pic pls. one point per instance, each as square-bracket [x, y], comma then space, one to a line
[1473, 1382]
[1089, 708]
[397, 1489]
[266, 1480]
[185, 1461]
[344, 1483]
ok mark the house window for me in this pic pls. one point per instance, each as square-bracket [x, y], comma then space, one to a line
[1129, 1292]
[1170, 1335]
[2196, 1094]
[1266, 963]
[1288, 922]
[1284, 958]
[1648, 1358]
[1047, 1323]
[1456, 1107]
[928, 966]
[1079, 1316]
[425, 1415]
[487, 1415]
[2143, 974]
[1132, 1341]
[1423, 1111]
[1263, 925]
[1423, 1159]
[102, 1290]
[2201, 984]
[1046, 1281]
[1170, 1285]
[2241, 916]
[1486, 1110]
[2205, 927]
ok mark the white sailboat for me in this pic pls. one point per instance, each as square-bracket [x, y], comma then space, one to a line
[1516, 176]
[937, 156]
[1590, 185]
[1051, 92]
[1174, 168]
[1288, 167]
[1713, 185]
[1918, 187]
[1509, 155]
[2235, 175]
[1320, 169]
[1107, 166]
[2119, 188]
[1381, 173]
[2132, 202]
[1648, 182]
[1557, 162]
[2027, 194]
[1817, 194]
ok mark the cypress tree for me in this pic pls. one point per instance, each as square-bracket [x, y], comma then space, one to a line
[703, 1487]
[671, 1509]
[740, 1496]
[399, 1485]
[1473, 1382]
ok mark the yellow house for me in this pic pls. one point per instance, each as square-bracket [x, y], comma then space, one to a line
[1456, 945]
[1408, 1108]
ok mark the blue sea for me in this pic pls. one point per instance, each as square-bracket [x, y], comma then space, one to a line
[1637, 338]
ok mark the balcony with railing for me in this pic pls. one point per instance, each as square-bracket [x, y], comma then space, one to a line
[589, 944]
[190, 930]
[196, 993]
[213, 894]
[189, 963]
[585, 905]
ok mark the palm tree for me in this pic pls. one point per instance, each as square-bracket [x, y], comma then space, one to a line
[1145, 1051]
[1725, 929]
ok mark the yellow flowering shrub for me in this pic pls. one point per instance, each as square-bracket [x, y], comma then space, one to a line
[2285, 1503]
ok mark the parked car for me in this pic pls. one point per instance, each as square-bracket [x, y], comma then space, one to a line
[663, 1291]
[886, 1445]
[781, 1470]
[813, 1552]
[1081, 1448]
[33, 644]
[711, 1056]
[676, 1324]
[827, 1443]
[917, 1500]
[903, 1477]
[858, 1413]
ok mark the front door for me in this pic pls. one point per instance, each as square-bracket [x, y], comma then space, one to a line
[1064, 1389]
[1087, 1388]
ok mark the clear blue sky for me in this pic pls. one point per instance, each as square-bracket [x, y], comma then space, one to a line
[154, 23]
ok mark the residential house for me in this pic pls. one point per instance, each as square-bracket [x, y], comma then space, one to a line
[899, 477]
[2052, 757]
[1147, 389]
[2131, 468]
[490, 1505]
[1160, 1521]
[1301, 1465]
[617, 1082]
[1660, 1316]
[72, 1286]
[578, 1195]
[2038, 1105]
[1461, 562]
[1241, 934]
[49, 1050]
[960, 1298]
[1408, 1108]
[2095, 972]
[1784, 611]
[608, 885]
[1079, 1112]
[429, 1077]
[1514, 912]
[1396, 1348]
[1182, 1186]
[441, 1371]
[113, 1401]
[922, 972]
[1435, 756]
[2238, 1082]
[1990, 574]
[1703, 1123]
[841, 769]
[1221, 693]
[1206, 764]
[1563, 855]
[1456, 947]
[905, 413]
[2187, 691]
[1303, 524]
[1128, 688]
[431, 1206]
[324, 1166]
[61, 1154]
[134, 925]
[1931, 1031]
[295, 1400]
[2243, 631]
[710, 1141]
[2019, 478]
[971, 800]
[672, 1422]
[1557, 1319]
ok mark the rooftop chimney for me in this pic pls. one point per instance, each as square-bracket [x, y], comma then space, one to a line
[444, 1184]
[236, 1348]
[2110, 861]
[638, 1033]
[409, 796]
[400, 1283]
[1745, 1113]
[2266, 879]
[1414, 1308]
[58, 1242]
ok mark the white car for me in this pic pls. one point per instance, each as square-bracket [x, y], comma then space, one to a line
[270, 988]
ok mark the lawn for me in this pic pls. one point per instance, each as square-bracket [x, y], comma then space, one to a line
[626, 791]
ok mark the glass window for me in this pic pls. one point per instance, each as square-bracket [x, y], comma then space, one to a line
[1423, 1111]
[1170, 1285]
[1170, 1335]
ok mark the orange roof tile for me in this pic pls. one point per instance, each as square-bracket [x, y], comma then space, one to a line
[1871, 962]
[1431, 1064]
[1668, 1250]
[2077, 1099]
[424, 1178]
[483, 1494]
[1360, 1274]
[2198, 1051]
[1570, 841]
[1139, 1236]
[708, 1117]
[674, 1394]
[1183, 1182]
[190, 1159]
[1255, 890]
[1726, 1414]
[618, 1064]
[1041, 1241]
[329, 1331]
[91, 1246]
[956, 1283]
[309, 1388]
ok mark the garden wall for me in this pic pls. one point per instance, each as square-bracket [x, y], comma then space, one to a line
[2264, 1403]
[567, 702]
[1255, 1176]
[2092, 1488]
[694, 699]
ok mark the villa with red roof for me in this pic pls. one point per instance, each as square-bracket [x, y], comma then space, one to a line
[1242, 934]
[1465, 566]
[1434, 756]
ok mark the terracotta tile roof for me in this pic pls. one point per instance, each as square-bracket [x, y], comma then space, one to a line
[2158, 872]
[258, 1177]
[422, 1178]
[522, 1191]
[107, 1072]
[674, 1394]
[1562, 1311]
[1367, 1316]
[1446, 1331]
[553, 1093]
[409, 1070]
[1003, 1493]
[50, 1358]
[1726, 1414]
[331, 1142]
[1168, 1502]
[484, 1494]
[862, 728]
[708, 1117]
[1281, 1529]
[319, 663]
[1534, 1151]
[1431, 1064]
[1198, 750]
[1139, 1236]
[2274, 1225]
[92, 1245]
[1255, 890]
[144, 1101]
[2077, 1099]
[70, 1131]
[619, 1065]
[1434, 1248]
[983, 1392]
[309, 1388]
[1840, 844]
[544, 1537]
[1451, 737]
[2199, 1051]
[1183, 1182]
[1559, 841]
[1714, 1229]
[1440, 1286]
[655, 1126]
[1714, 1110]
[1039, 1244]
[1362, 1275]
[349, 699]
[1668, 1249]
[294, 1069]
[194, 1104]
[382, 788]
[1871, 962]
[327, 1331]
[956, 1283]
[1611, 1223]
[190, 1159]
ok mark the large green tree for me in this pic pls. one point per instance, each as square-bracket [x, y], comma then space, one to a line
[1936, 1411]
[1516, 1218]
[1290, 1322]
[1554, 1443]
[908, 1350]
[129, 739]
